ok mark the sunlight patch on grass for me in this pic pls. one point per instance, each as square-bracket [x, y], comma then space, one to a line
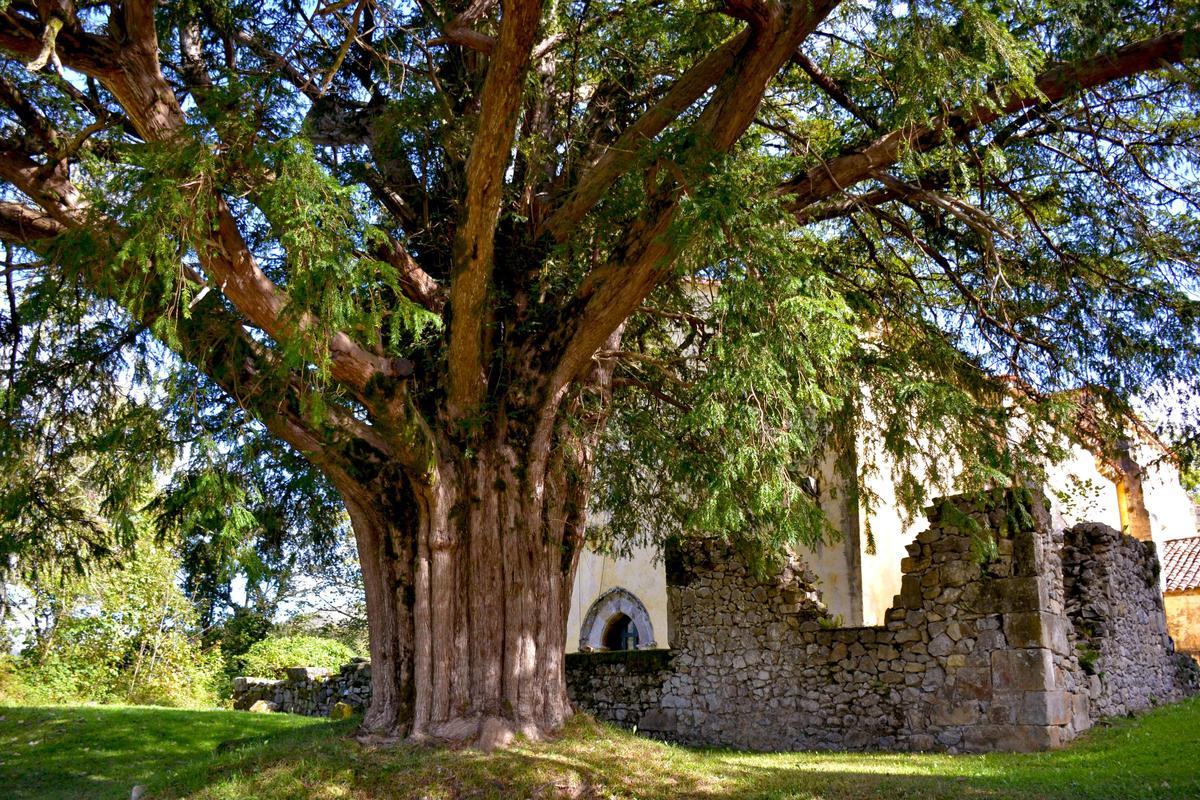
[100, 752]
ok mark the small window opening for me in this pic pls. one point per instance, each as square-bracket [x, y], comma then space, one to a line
[620, 634]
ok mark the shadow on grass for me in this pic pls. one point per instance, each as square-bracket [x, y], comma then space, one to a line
[1153, 757]
[103, 751]
[98, 752]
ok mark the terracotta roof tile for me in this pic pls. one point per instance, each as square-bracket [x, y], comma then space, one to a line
[1181, 564]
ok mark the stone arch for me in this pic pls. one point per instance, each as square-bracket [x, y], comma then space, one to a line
[610, 606]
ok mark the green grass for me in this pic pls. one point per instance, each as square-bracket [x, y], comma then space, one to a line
[101, 752]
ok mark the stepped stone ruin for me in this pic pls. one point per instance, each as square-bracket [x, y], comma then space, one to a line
[1006, 635]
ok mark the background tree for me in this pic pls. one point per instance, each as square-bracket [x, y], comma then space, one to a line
[460, 258]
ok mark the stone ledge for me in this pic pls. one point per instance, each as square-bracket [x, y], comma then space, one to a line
[657, 658]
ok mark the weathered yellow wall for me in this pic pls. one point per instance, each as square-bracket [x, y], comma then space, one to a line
[1183, 619]
[641, 575]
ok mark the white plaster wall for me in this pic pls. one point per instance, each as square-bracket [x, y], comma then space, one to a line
[1077, 489]
[829, 560]
[641, 575]
[885, 523]
[881, 569]
[1079, 492]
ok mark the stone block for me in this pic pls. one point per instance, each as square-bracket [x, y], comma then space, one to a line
[658, 721]
[941, 645]
[1004, 708]
[1037, 629]
[1006, 595]
[1028, 670]
[307, 673]
[959, 573]
[955, 713]
[1081, 718]
[1013, 738]
[910, 592]
[973, 683]
[1045, 708]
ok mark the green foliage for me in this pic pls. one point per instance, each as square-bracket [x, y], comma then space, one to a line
[1088, 658]
[953, 324]
[349, 628]
[271, 657]
[121, 633]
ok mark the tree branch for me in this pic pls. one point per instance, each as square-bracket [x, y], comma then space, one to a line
[622, 154]
[474, 239]
[840, 173]
[132, 73]
[835, 91]
[645, 255]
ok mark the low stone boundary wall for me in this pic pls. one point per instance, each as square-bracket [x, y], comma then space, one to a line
[978, 652]
[306, 690]
[623, 686]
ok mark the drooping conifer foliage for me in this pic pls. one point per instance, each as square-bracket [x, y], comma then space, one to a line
[458, 267]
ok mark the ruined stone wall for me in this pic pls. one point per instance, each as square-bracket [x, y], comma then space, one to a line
[624, 686]
[973, 656]
[977, 653]
[308, 691]
[1120, 625]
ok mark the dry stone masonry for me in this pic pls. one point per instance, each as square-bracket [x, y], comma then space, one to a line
[1006, 635]
[307, 690]
[978, 652]
[1120, 624]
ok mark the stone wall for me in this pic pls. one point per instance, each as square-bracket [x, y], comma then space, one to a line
[306, 690]
[977, 653]
[624, 686]
[1120, 623]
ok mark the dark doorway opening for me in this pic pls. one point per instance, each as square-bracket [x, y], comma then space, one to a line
[620, 633]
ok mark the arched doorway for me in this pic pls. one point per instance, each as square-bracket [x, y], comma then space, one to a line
[616, 621]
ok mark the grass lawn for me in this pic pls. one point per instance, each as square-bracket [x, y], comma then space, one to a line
[101, 752]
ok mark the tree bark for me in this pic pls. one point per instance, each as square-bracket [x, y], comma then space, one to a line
[468, 580]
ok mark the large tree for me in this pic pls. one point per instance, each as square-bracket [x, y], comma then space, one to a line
[470, 263]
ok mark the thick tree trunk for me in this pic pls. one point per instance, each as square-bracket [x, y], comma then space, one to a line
[468, 581]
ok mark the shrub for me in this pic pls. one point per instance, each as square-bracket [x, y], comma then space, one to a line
[123, 633]
[271, 657]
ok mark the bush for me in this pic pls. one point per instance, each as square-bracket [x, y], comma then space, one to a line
[124, 633]
[271, 657]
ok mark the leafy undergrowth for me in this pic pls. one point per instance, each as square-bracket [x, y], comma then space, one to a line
[98, 752]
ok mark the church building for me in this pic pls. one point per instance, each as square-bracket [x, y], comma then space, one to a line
[621, 603]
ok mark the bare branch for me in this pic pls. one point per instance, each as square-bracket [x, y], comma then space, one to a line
[474, 240]
[832, 88]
